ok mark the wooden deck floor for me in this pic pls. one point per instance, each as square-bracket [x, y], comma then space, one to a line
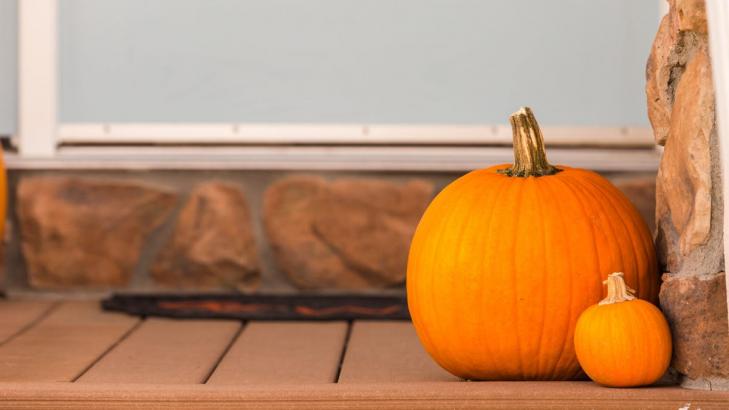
[71, 354]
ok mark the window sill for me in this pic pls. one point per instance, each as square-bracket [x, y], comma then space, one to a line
[339, 158]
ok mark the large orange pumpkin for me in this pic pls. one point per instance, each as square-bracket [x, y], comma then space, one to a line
[506, 258]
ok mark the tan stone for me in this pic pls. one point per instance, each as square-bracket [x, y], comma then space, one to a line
[696, 309]
[691, 15]
[86, 232]
[671, 51]
[684, 177]
[658, 88]
[212, 245]
[347, 234]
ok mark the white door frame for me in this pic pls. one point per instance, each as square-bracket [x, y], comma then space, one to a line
[37, 77]
[40, 134]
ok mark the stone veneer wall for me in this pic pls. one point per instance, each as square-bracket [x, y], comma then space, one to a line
[689, 205]
[246, 230]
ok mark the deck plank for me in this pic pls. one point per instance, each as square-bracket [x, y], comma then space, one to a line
[165, 351]
[283, 353]
[380, 352]
[63, 344]
[17, 315]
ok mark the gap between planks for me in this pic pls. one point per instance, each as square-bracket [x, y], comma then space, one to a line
[19, 316]
[225, 353]
[106, 352]
[345, 345]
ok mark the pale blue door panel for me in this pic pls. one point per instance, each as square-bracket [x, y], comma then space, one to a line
[576, 62]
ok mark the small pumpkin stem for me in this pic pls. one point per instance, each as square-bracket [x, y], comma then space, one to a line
[530, 158]
[617, 290]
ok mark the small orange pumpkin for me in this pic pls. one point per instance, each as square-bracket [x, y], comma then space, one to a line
[506, 258]
[623, 341]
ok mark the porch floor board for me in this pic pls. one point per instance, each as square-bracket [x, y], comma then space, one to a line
[164, 351]
[388, 352]
[73, 355]
[283, 353]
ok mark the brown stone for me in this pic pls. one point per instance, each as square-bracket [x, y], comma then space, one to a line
[86, 232]
[684, 193]
[641, 191]
[289, 208]
[696, 309]
[349, 233]
[212, 245]
[406, 201]
[367, 240]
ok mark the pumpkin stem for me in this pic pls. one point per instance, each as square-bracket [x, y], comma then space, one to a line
[530, 158]
[617, 290]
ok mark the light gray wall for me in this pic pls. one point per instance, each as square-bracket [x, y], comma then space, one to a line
[393, 61]
[8, 64]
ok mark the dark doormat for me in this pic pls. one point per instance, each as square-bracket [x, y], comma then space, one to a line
[260, 306]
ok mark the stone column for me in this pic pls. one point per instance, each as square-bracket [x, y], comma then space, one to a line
[689, 203]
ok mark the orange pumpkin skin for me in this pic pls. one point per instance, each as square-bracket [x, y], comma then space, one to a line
[623, 344]
[500, 267]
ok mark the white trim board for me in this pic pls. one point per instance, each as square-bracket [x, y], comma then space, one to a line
[361, 158]
[231, 133]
